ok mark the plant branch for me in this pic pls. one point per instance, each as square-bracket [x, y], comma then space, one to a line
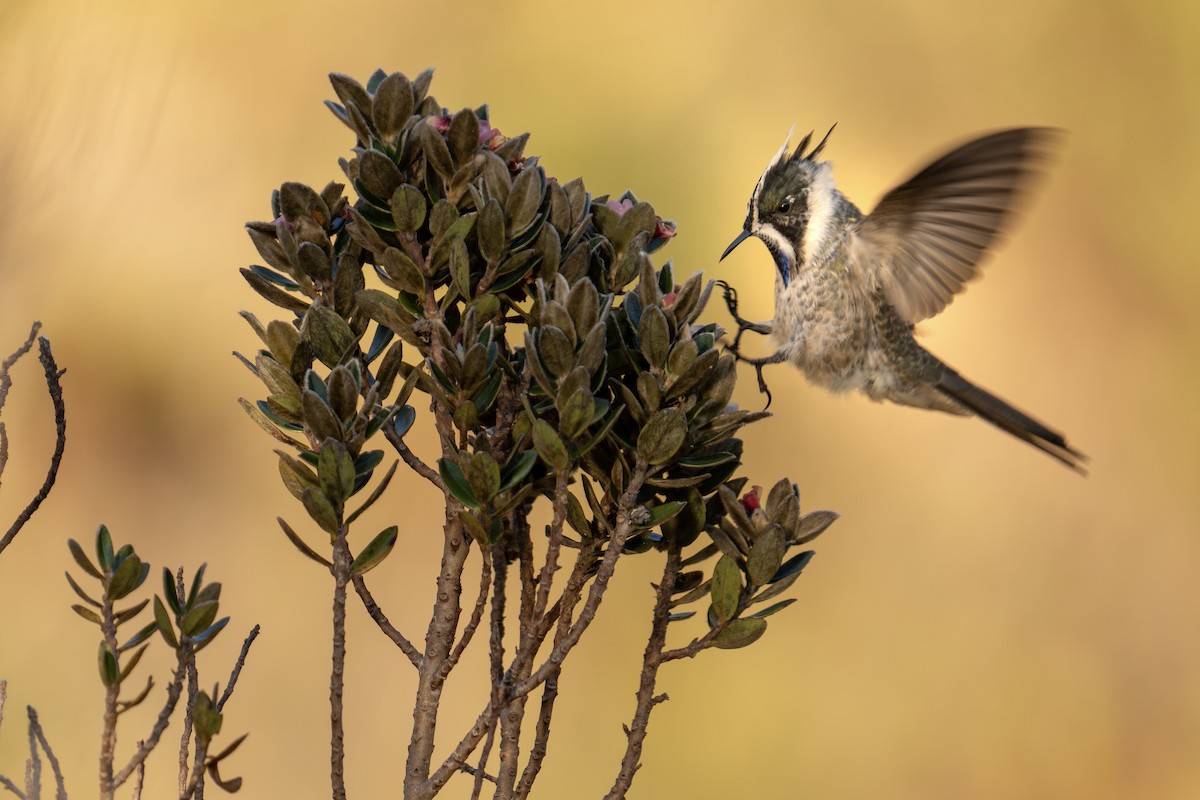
[485, 579]
[389, 630]
[651, 660]
[36, 732]
[174, 690]
[237, 667]
[537, 753]
[341, 576]
[608, 564]
[53, 373]
[411, 459]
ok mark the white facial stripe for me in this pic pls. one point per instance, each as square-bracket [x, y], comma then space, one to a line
[778, 241]
[820, 212]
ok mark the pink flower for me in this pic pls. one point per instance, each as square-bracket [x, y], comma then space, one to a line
[750, 500]
[439, 124]
[663, 229]
[669, 298]
[620, 206]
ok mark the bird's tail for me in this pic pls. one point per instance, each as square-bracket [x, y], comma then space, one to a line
[1003, 416]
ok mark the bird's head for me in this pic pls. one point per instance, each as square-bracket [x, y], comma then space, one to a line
[791, 207]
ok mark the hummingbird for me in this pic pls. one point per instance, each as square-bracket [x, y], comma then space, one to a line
[849, 287]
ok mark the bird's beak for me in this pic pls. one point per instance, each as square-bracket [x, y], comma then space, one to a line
[741, 237]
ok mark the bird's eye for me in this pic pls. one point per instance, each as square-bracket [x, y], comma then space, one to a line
[785, 206]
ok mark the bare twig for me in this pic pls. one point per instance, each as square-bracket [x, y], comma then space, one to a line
[12, 787]
[139, 778]
[485, 580]
[616, 542]
[691, 649]
[174, 690]
[411, 459]
[53, 373]
[237, 668]
[478, 772]
[541, 738]
[389, 630]
[193, 688]
[651, 660]
[341, 576]
[36, 732]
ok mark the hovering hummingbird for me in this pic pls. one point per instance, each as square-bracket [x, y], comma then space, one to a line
[851, 286]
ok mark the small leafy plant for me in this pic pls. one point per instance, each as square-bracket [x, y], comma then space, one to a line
[564, 375]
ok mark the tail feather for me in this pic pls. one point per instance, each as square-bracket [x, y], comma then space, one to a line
[999, 413]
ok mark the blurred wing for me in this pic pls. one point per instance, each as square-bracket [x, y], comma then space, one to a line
[927, 237]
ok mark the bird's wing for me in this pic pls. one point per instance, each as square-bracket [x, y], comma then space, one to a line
[928, 236]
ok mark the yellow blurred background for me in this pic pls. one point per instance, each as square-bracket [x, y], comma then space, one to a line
[981, 622]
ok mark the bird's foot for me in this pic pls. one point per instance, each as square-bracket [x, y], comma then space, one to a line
[731, 302]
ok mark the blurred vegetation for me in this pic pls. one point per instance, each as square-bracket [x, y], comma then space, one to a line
[132, 154]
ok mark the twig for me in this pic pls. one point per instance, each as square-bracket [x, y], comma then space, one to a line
[616, 543]
[174, 690]
[439, 639]
[478, 772]
[35, 731]
[389, 630]
[112, 690]
[139, 778]
[12, 787]
[541, 738]
[411, 459]
[237, 667]
[651, 660]
[691, 649]
[53, 373]
[6, 383]
[341, 576]
[5, 782]
[485, 579]
[193, 688]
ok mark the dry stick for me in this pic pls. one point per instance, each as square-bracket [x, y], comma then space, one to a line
[651, 660]
[53, 373]
[193, 788]
[193, 688]
[562, 610]
[411, 459]
[478, 772]
[4, 781]
[439, 639]
[534, 601]
[608, 565]
[108, 737]
[616, 542]
[237, 668]
[485, 580]
[35, 731]
[139, 778]
[541, 738]
[389, 630]
[174, 690]
[6, 384]
[341, 576]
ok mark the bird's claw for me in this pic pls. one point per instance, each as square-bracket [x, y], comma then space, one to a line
[731, 302]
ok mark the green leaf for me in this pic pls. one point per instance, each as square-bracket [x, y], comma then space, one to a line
[335, 471]
[654, 339]
[375, 552]
[740, 633]
[82, 560]
[125, 578]
[86, 613]
[330, 335]
[208, 634]
[320, 509]
[793, 566]
[145, 633]
[124, 616]
[474, 527]
[132, 663]
[726, 588]
[517, 469]
[769, 610]
[662, 436]
[483, 476]
[110, 673]
[393, 105]
[456, 483]
[664, 512]
[404, 271]
[104, 549]
[164, 624]
[79, 591]
[301, 545]
[549, 446]
[766, 555]
[199, 617]
[813, 525]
